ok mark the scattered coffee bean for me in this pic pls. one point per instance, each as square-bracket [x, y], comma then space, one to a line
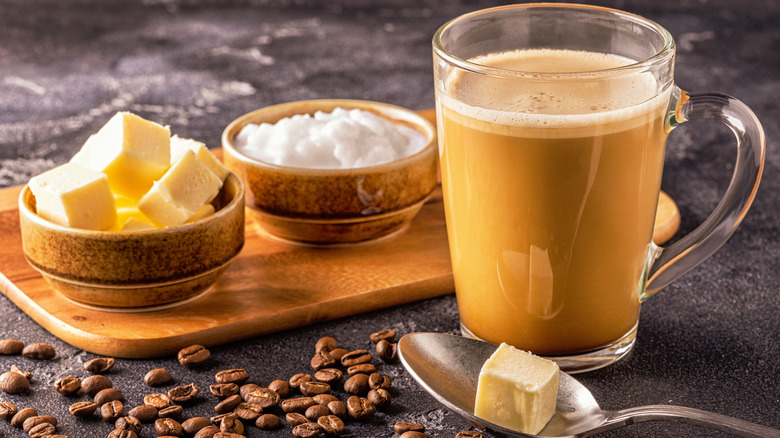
[27, 374]
[381, 398]
[401, 427]
[265, 397]
[39, 351]
[376, 381]
[306, 430]
[82, 409]
[237, 376]
[361, 368]
[359, 408]
[231, 424]
[184, 393]
[168, 426]
[282, 387]
[99, 364]
[228, 404]
[331, 425]
[413, 434]
[246, 389]
[338, 353]
[42, 430]
[68, 385]
[14, 383]
[268, 422]
[338, 408]
[312, 388]
[157, 377]
[173, 411]
[383, 335]
[296, 380]
[331, 376]
[35, 420]
[93, 384]
[221, 434]
[144, 413]
[207, 432]
[159, 401]
[468, 434]
[20, 417]
[7, 410]
[386, 351]
[326, 343]
[324, 399]
[107, 395]
[316, 411]
[295, 418]
[11, 346]
[193, 356]
[217, 419]
[112, 410]
[357, 384]
[355, 357]
[121, 433]
[193, 425]
[223, 390]
[322, 359]
[128, 423]
[248, 411]
[299, 404]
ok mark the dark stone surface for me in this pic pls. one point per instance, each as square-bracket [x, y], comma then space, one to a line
[710, 341]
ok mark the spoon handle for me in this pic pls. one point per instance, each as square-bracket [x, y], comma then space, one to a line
[687, 415]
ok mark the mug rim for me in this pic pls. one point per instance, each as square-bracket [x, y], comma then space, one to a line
[662, 56]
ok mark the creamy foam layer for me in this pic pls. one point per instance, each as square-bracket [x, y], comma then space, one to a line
[571, 102]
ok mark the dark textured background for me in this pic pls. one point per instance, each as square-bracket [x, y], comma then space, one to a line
[711, 340]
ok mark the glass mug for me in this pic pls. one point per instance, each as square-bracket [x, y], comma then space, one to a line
[552, 125]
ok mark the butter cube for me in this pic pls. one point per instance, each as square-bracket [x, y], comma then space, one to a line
[203, 211]
[129, 214]
[133, 152]
[133, 224]
[179, 145]
[74, 196]
[517, 390]
[183, 189]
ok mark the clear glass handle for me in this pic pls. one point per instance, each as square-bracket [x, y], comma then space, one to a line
[688, 252]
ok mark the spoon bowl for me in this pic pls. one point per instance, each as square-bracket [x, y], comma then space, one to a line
[448, 366]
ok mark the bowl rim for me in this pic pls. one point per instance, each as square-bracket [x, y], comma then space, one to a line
[236, 201]
[411, 117]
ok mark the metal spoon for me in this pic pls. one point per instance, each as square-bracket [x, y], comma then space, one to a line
[448, 366]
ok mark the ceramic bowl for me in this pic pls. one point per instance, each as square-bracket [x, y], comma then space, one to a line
[135, 270]
[334, 206]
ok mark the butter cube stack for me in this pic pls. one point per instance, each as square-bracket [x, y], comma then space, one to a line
[517, 390]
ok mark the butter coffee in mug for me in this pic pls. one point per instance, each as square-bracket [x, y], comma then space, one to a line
[552, 128]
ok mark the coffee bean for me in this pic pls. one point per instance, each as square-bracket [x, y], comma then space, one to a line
[121, 433]
[223, 390]
[237, 376]
[357, 384]
[128, 423]
[14, 383]
[265, 397]
[324, 399]
[381, 398]
[326, 343]
[316, 411]
[193, 425]
[39, 351]
[99, 364]
[93, 384]
[193, 356]
[296, 380]
[244, 390]
[144, 413]
[173, 411]
[468, 434]
[112, 410]
[386, 351]
[282, 387]
[11, 346]
[338, 408]
[42, 430]
[217, 419]
[268, 422]
[306, 430]
[228, 404]
[331, 376]
[405, 426]
[376, 381]
[248, 411]
[7, 410]
[295, 418]
[331, 425]
[159, 401]
[386, 335]
[107, 395]
[157, 377]
[20, 417]
[313, 388]
[168, 426]
[359, 408]
[361, 368]
[413, 434]
[207, 432]
[184, 393]
[27, 374]
[35, 420]
[68, 385]
[82, 409]
[228, 435]
[355, 357]
[299, 404]
[338, 353]
[231, 424]
[322, 359]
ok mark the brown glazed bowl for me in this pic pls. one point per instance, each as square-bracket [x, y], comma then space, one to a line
[135, 270]
[334, 206]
